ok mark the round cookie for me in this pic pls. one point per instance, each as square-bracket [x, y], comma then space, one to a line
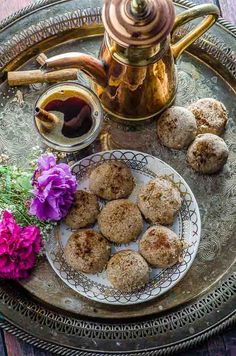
[161, 247]
[120, 221]
[111, 180]
[159, 201]
[128, 271]
[84, 210]
[176, 127]
[207, 154]
[87, 251]
[210, 114]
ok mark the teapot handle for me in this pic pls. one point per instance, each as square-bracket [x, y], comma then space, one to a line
[212, 13]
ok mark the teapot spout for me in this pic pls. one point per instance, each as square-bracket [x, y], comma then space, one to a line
[93, 67]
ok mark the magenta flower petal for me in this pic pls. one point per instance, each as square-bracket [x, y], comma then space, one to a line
[3, 261]
[30, 234]
[18, 274]
[26, 264]
[54, 189]
[24, 253]
[3, 248]
[8, 224]
[46, 162]
[18, 248]
[8, 266]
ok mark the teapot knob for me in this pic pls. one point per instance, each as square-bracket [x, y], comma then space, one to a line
[138, 7]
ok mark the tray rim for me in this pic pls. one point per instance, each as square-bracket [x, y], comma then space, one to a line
[171, 348]
[50, 346]
[60, 350]
[25, 11]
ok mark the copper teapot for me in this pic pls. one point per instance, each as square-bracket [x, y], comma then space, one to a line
[135, 75]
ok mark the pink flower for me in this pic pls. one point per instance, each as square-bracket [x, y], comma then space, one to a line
[18, 248]
[54, 189]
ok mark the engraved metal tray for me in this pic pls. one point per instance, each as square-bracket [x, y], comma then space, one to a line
[43, 310]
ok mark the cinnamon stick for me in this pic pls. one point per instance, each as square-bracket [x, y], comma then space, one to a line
[48, 120]
[38, 76]
[41, 59]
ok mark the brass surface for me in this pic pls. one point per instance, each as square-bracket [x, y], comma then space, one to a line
[85, 62]
[197, 11]
[138, 24]
[19, 58]
[196, 79]
[138, 7]
[136, 81]
[137, 93]
[137, 57]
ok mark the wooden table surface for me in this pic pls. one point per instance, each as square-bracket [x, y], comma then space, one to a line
[221, 345]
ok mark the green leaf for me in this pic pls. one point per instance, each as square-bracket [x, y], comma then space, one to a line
[24, 183]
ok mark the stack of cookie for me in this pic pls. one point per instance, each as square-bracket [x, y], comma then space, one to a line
[120, 222]
[197, 128]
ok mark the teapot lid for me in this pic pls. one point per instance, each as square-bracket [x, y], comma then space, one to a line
[138, 22]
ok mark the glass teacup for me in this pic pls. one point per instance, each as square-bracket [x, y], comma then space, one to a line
[68, 116]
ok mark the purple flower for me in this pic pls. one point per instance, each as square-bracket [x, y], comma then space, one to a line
[18, 248]
[54, 189]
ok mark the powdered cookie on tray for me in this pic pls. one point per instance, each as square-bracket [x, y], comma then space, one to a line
[207, 154]
[211, 116]
[87, 251]
[112, 180]
[161, 247]
[159, 201]
[120, 221]
[84, 210]
[176, 127]
[128, 271]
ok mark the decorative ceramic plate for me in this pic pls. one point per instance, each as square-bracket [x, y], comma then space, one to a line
[187, 226]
